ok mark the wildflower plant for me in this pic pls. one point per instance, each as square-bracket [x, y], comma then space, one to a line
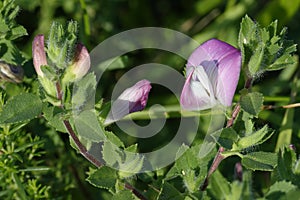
[214, 74]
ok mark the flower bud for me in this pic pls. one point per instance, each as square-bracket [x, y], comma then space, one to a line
[39, 54]
[133, 99]
[81, 64]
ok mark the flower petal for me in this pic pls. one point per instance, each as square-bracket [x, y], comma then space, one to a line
[229, 73]
[222, 64]
[196, 94]
[82, 62]
[39, 54]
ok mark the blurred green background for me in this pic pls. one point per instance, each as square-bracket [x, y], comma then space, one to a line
[200, 19]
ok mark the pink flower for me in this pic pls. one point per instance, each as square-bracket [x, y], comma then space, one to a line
[82, 62]
[133, 99]
[39, 54]
[212, 73]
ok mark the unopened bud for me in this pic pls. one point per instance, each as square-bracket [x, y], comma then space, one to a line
[133, 99]
[81, 64]
[39, 54]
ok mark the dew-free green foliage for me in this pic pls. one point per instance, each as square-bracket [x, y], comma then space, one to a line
[252, 103]
[40, 160]
[264, 49]
[20, 108]
[10, 31]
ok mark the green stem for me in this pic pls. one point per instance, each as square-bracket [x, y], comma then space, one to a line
[174, 111]
[283, 99]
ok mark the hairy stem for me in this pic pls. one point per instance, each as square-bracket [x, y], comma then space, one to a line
[82, 149]
[219, 157]
[80, 146]
[217, 160]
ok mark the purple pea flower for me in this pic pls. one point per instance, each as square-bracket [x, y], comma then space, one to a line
[212, 73]
[133, 99]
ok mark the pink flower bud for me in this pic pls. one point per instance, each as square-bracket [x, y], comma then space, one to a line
[133, 99]
[82, 62]
[39, 54]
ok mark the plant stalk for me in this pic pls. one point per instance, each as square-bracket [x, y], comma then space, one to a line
[219, 157]
[82, 149]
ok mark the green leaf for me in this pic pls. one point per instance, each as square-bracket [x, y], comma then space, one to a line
[124, 195]
[263, 161]
[191, 180]
[169, 192]
[248, 123]
[248, 33]
[278, 189]
[256, 59]
[9, 29]
[10, 53]
[283, 62]
[20, 186]
[252, 103]
[88, 127]
[255, 138]
[21, 108]
[190, 160]
[264, 49]
[104, 177]
[111, 154]
[287, 161]
[53, 115]
[17, 32]
[110, 136]
[131, 165]
[127, 162]
[84, 93]
[219, 186]
[227, 137]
